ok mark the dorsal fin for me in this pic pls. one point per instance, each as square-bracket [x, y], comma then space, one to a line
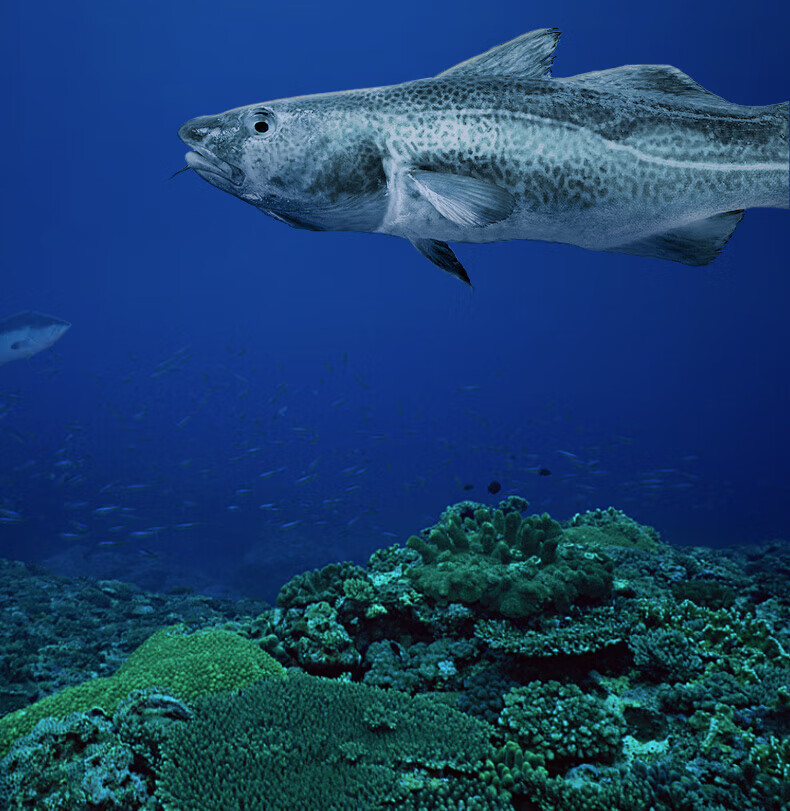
[526, 57]
[655, 79]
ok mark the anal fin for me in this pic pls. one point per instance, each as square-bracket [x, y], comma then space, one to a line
[697, 243]
[441, 254]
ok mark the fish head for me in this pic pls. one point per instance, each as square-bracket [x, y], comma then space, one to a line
[294, 159]
[46, 335]
[257, 152]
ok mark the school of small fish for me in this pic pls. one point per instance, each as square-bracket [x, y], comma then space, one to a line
[281, 474]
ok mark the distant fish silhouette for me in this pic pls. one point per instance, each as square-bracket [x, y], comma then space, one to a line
[544, 471]
[494, 487]
[28, 333]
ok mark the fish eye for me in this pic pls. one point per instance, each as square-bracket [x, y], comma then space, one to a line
[262, 122]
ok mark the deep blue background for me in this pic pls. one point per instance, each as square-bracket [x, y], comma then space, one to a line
[346, 358]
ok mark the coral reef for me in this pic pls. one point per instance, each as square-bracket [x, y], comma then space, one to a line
[319, 585]
[611, 527]
[562, 726]
[498, 660]
[73, 762]
[308, 742]
[186, 665]
[91, 760]
[56, 631]
[506, 565]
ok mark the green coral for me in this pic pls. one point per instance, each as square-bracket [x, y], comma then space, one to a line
[562, 724]
[658, 786]
[709, 594]
[89, 760]
[515, 589]
[508, 565]
[731, 639]
[418, 667]
[309, 742]
[320, 643]
[731, 631]
[359, 590]
[719, 731]
[187, 665]
[608, 788]
[319, 585]
[611, 527]
[666, 654]
[263, 630]
[718, 687]
[593, 632]
[504, 536]
[72, 762]
[724, 738]
[772, 756]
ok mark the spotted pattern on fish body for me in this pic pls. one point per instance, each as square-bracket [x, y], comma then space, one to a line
[638, 159]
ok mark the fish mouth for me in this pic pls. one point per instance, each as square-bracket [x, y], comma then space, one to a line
[204, 163]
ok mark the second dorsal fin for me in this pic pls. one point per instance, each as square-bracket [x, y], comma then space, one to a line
[654, 79]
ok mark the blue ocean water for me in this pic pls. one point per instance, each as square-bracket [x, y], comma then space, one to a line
[238, 401]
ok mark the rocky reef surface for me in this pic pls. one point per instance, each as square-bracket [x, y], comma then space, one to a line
[497, 660]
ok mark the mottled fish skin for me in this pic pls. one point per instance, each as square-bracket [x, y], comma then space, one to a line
[604, 160]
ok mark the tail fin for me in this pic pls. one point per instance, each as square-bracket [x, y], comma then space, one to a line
[782, 114]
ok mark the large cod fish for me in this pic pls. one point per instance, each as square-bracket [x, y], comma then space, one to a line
[638, 159]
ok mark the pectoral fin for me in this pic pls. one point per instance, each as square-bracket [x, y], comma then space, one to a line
[698, 243]
[465, 201]
[441, 254]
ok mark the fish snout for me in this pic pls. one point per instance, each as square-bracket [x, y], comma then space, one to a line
[197, 130]
[206, 136]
